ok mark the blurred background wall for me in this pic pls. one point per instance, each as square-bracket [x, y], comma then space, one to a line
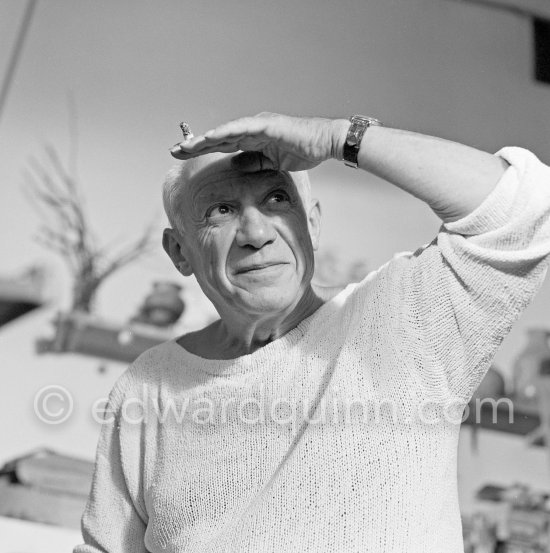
[131, 70]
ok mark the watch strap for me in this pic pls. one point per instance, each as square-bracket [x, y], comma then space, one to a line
[357, 129]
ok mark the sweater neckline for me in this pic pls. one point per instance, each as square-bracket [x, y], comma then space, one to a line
[257, 359]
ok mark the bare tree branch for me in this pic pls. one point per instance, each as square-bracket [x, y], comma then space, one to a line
[53, 190]
[136, 250]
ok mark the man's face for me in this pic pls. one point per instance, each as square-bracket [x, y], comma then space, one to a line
[247, 239]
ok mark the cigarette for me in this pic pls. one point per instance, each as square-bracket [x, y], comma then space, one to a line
[186, 130]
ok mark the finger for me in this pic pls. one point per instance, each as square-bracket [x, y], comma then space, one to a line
[191, 146]
[250, 162]
[201, 146]
[182, 154]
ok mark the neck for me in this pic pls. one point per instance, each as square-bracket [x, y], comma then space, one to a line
[229, 338]
[236, 336]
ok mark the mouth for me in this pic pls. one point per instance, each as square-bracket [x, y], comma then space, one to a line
[259, 267]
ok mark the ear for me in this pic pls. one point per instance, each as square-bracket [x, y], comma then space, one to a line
[172, 242]
[314, 223]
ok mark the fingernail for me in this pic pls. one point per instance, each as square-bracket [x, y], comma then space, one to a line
[175, 149]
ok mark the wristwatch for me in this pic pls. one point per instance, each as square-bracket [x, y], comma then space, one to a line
[358, 127]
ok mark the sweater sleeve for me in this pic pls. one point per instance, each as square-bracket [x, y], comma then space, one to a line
[113, 521]
[459, 295]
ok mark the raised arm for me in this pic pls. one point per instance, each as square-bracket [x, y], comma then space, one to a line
[451, 178]
[451, 302]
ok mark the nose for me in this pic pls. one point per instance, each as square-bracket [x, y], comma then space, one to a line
[255, 229]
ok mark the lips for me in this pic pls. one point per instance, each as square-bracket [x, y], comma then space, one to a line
[257, 267]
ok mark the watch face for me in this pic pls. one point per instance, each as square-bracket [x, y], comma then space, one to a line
[365, 119]
[359, 124]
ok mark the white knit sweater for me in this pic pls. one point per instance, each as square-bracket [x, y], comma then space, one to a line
[417, 336]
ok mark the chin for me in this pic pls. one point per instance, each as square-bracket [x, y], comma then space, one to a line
[268, 300]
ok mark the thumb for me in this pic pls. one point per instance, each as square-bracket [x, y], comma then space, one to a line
[250, 162]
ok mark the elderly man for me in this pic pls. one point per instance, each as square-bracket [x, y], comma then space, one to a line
[322, 420]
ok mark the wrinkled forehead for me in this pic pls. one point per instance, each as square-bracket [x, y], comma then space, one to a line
[215, 170]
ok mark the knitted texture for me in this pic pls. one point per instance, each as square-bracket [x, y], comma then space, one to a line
[341, 435]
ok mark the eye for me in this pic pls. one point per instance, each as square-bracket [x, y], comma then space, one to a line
[279, 196]
[219, 210]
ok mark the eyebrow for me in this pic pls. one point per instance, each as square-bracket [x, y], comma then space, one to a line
[211, 191]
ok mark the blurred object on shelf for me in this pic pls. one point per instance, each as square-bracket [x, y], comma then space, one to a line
[45, 486]
[517, 495]
[542, 433]
[54, 192]
[526, 524]
[479, 533]
[528, 363]
[491, 492]
[87, 334]
[21, 294]
[520, 496]
[80, 332]
[528, 531]
[163, 306]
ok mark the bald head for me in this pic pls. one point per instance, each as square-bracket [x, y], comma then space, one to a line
[195, 170]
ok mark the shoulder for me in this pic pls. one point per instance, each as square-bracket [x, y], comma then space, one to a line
[146, 369]
[326, 293]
